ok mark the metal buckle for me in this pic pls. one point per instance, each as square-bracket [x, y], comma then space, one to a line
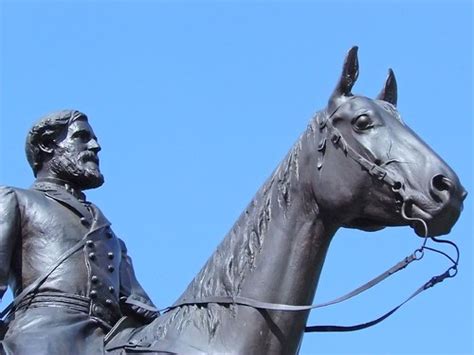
[378, 172]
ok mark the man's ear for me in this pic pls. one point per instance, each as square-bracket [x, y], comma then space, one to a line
[47, 146]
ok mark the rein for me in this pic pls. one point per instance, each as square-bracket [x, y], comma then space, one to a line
[418, 254]
[395, 182]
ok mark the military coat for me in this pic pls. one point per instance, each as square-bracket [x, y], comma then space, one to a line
[86, 294]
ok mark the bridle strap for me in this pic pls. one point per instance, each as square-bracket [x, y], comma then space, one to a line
[338, 328]
[449, 273]
[267, 306]
[372, 169]
[245, 301]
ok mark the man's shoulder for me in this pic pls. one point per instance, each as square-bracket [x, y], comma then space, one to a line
[9, 189]
[17, 193]
[6, 190]
[8, 196]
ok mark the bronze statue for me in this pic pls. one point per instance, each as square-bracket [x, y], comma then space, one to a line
[357, 165]
[94, 285]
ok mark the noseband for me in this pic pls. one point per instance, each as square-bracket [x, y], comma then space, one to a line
[396, 183]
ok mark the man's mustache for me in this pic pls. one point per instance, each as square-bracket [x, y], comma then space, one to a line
[88, 155]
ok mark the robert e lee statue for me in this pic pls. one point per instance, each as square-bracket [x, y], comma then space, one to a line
[58, 252]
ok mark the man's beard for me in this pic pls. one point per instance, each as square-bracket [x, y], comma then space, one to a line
[81, 170]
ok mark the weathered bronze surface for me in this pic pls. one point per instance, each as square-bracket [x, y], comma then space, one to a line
[78, 303]
[357, 165]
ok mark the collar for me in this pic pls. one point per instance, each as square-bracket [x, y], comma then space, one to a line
[56, 189]
[50, 183]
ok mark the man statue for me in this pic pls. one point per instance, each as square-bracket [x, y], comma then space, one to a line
[70, 274]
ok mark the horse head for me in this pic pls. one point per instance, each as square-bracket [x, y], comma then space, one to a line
[375, 170]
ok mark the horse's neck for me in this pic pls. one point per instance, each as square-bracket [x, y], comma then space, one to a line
[276, 249]
[273, 253]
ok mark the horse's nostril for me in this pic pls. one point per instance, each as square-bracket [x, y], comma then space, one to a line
[442, 183]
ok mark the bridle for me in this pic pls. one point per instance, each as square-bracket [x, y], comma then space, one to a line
[396, 183]
[392, 179]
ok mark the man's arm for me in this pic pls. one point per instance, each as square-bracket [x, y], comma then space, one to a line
[134, 300]
[9, 231]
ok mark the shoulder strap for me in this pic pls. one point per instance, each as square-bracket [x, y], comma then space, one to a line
[34, 286]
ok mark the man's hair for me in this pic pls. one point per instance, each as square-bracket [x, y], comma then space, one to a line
[45, 131]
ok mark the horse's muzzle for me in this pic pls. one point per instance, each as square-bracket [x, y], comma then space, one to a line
[447, 196]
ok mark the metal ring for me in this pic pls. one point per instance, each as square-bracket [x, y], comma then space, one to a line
[454, 272]
[419, 253]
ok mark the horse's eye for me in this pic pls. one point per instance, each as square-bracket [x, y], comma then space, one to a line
[362, 122]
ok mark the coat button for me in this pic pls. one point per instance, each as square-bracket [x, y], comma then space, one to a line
[93, 294]
[92, 256]
[98, 310]
[108, 302]
[84, 221]
[90, 243]
[111, 289]
[94, 279]
[111, 268]
[110, 255]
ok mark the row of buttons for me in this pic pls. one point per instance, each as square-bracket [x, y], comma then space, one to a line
[92, 255]
[93, 295]
[95, 279]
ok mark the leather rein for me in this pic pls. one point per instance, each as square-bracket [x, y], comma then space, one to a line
[381, 174]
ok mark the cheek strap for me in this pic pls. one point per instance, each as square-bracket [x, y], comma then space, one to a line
[372, 169]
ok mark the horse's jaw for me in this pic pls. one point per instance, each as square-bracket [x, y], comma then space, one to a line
[365, 224]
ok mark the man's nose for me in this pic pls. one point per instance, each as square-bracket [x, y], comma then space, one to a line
[94, 146]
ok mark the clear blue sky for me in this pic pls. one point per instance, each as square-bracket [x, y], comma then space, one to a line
[195, 103]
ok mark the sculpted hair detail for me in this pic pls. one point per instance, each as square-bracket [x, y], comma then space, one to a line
[45, 131]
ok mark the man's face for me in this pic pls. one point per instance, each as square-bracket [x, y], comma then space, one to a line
[75, 156]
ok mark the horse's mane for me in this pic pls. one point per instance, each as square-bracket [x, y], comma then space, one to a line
[236, 256]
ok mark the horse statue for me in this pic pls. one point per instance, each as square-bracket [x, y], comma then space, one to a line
[357, 165]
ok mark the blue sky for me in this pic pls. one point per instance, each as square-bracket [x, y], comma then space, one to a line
[195, 103]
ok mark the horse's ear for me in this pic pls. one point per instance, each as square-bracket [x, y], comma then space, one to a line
[389, 91]
[350, 72]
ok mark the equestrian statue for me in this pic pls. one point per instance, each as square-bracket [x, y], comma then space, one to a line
[357, 165]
